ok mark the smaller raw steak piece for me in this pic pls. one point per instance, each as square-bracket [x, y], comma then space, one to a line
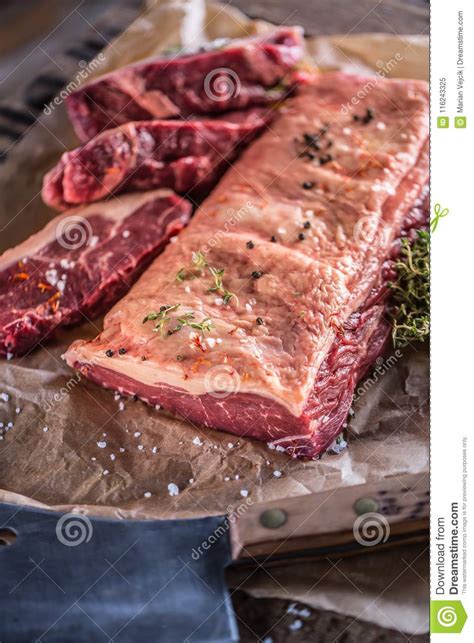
[182, 155]
[237, 75]
[81, 263]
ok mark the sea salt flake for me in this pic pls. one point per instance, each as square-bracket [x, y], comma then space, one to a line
[277, 474]
[173, 489]
[102, 444]
[296, 625]
[244, 493]
[126, 234]
[45, 429]
[4, 396]
[197, 441]
[147, 494]
[137, 434]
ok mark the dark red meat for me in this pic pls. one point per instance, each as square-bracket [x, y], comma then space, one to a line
[234, 76]
[81, 264]
[182, 155]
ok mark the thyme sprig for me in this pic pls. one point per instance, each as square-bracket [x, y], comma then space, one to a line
[199, 262]
[217, 274]
[163, 318]
[411, 291]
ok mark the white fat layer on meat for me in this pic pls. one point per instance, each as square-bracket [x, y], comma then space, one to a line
[117, 209]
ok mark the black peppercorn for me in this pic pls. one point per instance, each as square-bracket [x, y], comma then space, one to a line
[109, 352]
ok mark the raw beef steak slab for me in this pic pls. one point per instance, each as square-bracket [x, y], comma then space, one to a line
[237, 75]
[81, 263]
[302, 227]
[182, 155]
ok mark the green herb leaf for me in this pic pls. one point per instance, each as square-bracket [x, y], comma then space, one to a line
[411, 292]
[218, 286]
[181, 274]
[188, 319]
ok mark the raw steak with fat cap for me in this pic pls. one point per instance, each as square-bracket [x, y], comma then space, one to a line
[81, 263]
[264, 314]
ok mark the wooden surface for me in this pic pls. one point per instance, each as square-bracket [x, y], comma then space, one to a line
[321, 17]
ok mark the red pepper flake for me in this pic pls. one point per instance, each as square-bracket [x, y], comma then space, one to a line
[21, 276]
[42, 286]
[198, 342]
[53, 301]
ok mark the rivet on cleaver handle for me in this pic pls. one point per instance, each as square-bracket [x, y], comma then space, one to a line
[341, 520]
[73, 578]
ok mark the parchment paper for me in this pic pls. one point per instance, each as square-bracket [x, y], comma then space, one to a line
[73, 445]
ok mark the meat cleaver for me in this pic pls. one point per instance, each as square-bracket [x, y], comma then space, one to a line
[74, 577]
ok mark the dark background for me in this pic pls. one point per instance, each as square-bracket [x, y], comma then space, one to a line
[34, 32]
[37, 36]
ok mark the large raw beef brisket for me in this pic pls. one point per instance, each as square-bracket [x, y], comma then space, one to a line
[269, 307]
[81, 263]
[186, 156]
[235, 75]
